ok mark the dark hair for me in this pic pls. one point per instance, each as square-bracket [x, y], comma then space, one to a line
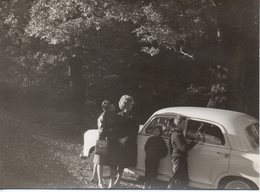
[105, 105]
[171, 121]
[180, 119]
[160, 129]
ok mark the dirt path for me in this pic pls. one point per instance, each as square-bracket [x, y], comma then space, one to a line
[26, 162]
[35, 155]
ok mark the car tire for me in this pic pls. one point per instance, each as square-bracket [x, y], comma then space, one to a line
[237, 183]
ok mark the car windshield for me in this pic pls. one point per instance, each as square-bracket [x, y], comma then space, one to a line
[253, 134]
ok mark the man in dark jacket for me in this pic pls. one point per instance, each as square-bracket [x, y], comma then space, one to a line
[178, 150]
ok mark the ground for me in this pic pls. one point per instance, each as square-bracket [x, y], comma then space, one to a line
[40, 148]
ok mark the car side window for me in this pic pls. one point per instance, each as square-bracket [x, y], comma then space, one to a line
[211, 133]
[163, 122]
[253, 134]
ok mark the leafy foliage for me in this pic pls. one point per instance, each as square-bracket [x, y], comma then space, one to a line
[158, 24]
[97, 47]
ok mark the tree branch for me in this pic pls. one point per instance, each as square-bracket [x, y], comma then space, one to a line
[186, 54]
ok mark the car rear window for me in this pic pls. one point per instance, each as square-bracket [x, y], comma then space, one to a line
[253, 134]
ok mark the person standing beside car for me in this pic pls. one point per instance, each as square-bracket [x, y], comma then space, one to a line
[106, 123]
[127, 136]
[155, 149]
[178, 151]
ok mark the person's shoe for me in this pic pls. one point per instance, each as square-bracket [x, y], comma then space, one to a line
[101, 186]
[147, 186]
[110, 185]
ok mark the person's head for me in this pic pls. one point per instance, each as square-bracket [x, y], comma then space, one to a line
[105, 105]
[112, 107]
[158, 131]
[180, 122]
[126, 103]
[171, 122]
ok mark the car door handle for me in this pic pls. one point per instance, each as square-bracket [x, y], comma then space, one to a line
[226, 155]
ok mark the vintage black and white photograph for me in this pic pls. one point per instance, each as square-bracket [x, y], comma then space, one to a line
[129, 94]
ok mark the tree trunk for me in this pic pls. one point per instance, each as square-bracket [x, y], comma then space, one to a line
[236, 80]
[241, 45]
[241, 55]
[77, 84]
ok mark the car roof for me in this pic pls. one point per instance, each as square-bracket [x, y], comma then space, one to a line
[220, 116]
[233, 122]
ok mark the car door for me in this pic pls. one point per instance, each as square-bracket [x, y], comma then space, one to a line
[164, 171]
[209, 158]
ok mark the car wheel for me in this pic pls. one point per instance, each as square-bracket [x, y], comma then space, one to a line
[238, 183]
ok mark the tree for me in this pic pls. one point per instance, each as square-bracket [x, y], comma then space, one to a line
[89, 46]
[75, 24]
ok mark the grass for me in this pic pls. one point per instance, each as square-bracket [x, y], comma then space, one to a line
[42, 149]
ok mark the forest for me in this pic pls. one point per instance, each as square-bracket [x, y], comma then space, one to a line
[162, 52]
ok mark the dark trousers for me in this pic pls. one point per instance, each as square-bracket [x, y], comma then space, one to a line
[151, 168]
[180, 177]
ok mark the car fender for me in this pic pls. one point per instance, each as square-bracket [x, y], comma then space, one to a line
[241, 167]
[233, 174]
[90, 139]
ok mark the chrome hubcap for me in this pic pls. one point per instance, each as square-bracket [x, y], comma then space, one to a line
[237, 185]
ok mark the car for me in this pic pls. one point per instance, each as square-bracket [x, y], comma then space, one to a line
[227, 156]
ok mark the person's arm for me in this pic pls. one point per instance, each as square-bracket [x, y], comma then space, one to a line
[100, 123]
[181, 143]
[105, 124]
[122, 131]
[133, 128]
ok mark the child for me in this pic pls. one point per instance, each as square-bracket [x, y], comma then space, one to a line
[155, 149]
